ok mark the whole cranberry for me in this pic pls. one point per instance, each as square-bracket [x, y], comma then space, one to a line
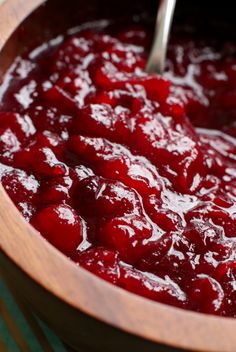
[61, 226]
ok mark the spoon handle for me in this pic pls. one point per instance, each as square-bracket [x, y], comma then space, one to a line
[157, 57]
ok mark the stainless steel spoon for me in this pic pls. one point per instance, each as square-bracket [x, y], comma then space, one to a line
[157, 57]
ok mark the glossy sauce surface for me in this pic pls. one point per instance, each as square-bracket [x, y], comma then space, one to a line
[110, 166]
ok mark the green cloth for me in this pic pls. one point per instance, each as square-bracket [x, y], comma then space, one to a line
[21, 330]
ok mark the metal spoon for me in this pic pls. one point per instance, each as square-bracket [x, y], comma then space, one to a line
[157, 57]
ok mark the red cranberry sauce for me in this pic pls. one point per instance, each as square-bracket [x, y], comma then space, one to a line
[107, 164]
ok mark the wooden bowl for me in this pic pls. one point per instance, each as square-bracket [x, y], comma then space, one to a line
[87, 312]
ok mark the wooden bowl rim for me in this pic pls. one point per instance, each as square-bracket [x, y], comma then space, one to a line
[152, 321]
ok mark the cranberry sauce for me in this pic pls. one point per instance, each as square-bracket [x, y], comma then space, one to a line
[110, 166]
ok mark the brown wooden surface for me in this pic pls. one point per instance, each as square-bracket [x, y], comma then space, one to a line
[83, 309]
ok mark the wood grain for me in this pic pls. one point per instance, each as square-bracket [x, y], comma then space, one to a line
[86, 311]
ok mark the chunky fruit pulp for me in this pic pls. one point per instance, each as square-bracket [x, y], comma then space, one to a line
[132, 176]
